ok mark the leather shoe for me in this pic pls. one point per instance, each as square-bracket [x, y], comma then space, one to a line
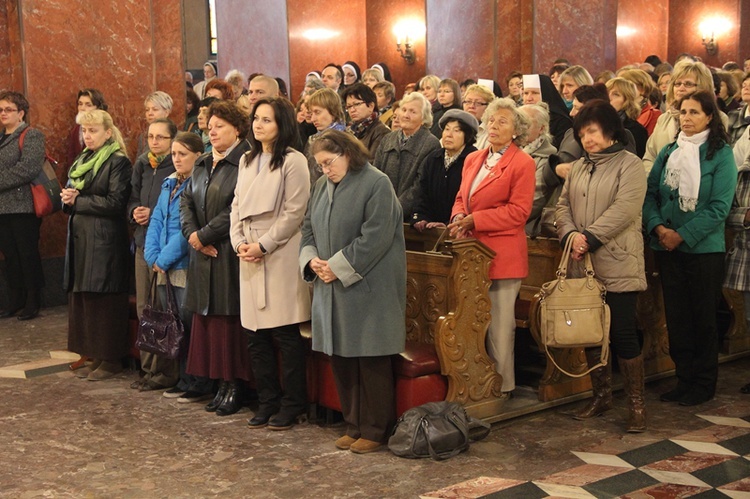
[193, 396]
[694, 398]
[105, 370]
[232, 401]
[27, 315]
[262, 415]
[284, 420]
[673, 395]
[220, 394]
[10, 312]
[345, 442]
[364, 446]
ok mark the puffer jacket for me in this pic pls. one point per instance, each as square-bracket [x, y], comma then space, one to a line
[165, 245]
[602, 199]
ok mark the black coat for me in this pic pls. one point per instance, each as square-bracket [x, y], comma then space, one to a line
[97, 259]
[145, 189]
[640, 135]
[438, 187]
[213, 284]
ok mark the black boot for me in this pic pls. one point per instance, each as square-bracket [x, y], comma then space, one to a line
[294, 400]
[15, 303]
[232, 401]
[219, 398]
[601, 383]
[31, 309]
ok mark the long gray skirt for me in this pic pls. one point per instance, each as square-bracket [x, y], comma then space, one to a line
[98, 325]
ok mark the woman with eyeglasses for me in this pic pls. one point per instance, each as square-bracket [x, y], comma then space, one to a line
[361, 104]
[20, 240]
[353, 252]
[149, 172]
[475, 102]
[688, 77]
[273, 187]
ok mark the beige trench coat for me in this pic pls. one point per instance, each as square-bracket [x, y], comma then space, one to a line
[269, 207]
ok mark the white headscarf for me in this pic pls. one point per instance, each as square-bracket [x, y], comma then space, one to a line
[684, 169]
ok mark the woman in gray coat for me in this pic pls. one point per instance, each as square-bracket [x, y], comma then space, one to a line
[353, 251]
[20, 240]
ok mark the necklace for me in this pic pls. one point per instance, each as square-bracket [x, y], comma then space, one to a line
[493, 158]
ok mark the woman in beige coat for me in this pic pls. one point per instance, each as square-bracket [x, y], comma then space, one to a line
[600, 207]
[273, 187]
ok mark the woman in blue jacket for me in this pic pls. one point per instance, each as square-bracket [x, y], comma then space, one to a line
[166, 252]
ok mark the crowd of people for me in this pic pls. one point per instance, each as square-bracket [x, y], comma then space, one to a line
[262, 214]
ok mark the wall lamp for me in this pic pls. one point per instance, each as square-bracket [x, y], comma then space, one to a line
[407, 31]
[710, 29]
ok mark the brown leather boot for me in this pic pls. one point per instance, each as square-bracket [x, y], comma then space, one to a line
[601, 382]
[632, 372]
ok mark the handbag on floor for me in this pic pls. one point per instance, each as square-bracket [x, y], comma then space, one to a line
[439, 430]
[45, 188]
[573, 312]
[160, 331]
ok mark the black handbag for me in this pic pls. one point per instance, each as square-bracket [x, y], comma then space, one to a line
[439, 430]
[160, 331]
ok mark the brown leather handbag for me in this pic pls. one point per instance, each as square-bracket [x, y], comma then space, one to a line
[573, 312]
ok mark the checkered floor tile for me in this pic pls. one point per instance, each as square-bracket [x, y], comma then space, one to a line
[712, 462]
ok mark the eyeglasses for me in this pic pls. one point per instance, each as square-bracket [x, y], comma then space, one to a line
[158, 138]
[353, 105]
[686, 84]
[327, 164]
[474, 103]
[8, 110]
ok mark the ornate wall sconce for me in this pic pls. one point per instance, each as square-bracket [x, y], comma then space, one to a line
[710, 29]
[407, 31]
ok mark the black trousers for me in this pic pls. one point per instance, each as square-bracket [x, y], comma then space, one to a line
[367, 392]
[293, 398]
[20, 245]
[691, 285]
[623, 332]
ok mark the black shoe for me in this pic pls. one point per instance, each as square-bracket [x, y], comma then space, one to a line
[673, 395]
[10, 311]
[216, 402]
[745, 389]
[191, 396]
[27, 315]
[284, 420]
[232, 401]
[260, 420]
[694, 398]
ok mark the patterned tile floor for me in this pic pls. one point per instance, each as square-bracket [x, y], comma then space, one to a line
[706, 463]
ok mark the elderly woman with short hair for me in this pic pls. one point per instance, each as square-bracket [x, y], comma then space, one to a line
[361, 104]
[221, 89]
[326, 112]
[539, 147]
[372, 77]
[157, 105]
[386, 95]
[401, 153]
[475, 101]
[493, 205]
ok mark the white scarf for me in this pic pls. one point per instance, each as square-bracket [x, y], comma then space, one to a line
[684, 169]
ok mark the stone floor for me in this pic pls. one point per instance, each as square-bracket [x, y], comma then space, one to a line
[65, 437]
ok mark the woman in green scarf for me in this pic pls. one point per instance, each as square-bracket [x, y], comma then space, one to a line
[96, 261]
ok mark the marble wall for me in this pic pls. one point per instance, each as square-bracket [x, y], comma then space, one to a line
[642, 30]
[322, 32]
[685, 16]
[582, 32]
[382, 16]
[253, 37]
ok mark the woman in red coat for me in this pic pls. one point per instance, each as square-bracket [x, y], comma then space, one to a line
[492, 205]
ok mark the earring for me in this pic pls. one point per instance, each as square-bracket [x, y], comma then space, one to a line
[514, 137]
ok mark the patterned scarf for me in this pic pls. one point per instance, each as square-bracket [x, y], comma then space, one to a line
[77, 174]
[449, 160]
[155, 160]
[359, 128]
